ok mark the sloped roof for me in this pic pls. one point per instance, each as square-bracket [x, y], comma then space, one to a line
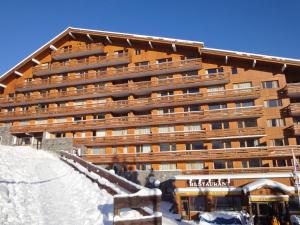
[261, 183]
[197, 44]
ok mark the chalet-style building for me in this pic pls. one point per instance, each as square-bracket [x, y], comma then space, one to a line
[228, 121]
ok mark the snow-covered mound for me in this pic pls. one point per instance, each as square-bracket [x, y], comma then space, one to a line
[222, 218]
[37, 188]
[295, 219]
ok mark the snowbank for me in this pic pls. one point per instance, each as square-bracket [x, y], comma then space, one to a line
[295, 219]
[222, 217]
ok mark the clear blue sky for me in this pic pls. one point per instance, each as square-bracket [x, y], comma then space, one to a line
[259, 26]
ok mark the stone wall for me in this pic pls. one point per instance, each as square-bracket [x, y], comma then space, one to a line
[5, 137]
[57, 144]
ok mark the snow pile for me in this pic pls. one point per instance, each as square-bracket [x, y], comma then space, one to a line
[295, 219]
[222, 217]
[38, 188]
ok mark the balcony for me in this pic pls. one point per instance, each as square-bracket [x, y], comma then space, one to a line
[294, 109]
[196, 155]
[141, 88]
[82, 64]
[144, 120]
[170, 137]
[293, 90]
[116, 74]
[78, 51]
[135, 104]
[293, 130]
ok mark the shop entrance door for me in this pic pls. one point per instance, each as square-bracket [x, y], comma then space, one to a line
[185, 208]
[265, 211]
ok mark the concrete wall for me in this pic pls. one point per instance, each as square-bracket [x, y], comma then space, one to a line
[5, 137]
[58, 144]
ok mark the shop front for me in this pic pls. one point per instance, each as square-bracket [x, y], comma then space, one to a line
[263, 199]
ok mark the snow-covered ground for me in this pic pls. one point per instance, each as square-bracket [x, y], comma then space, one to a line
[36, 188]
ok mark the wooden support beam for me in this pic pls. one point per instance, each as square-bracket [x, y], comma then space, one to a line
[52, 47]
[174, 47]
[283, 67]
[36, 61]
[72, 35]
[3, 85]
[108, 39]
[254, 63]
[89, 37]
[18, 73]
[150, 44]
[129, 42]
[226, 59]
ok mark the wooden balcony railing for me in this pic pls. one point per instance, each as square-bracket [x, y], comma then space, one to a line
[82, 64]
[78, 51]
[112, 74]
[195, 155]
[293, 89]
[137, 121]
[144, 87]
[169, 137]
[294, 109]
[136, 104]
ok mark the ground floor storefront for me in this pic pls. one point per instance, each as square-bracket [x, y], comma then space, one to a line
[264, 197]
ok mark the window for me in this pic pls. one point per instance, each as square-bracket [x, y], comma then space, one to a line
[294, 203]
[165, 93]
[213, 89]
[164, 60]
[221, 144]
[120, 52]
[220, 164]
[99, 116]
[143, 166]
[192, 108]
[143, 148]
[120, 132]
[234, 70]
[249, 143]
[165, 111]
[192, 127]
[228, 203]
[220, 125]
[279, 142]
[198, 145]
[41, 121]
[214, 70]
[79, 103]
[247, 123]
[166, 147]
[166, 129]
[217, 106]
[144, 63]
[190, 73]
[60, 135]
[61, 120]
[100, 133]
[195, 166]
[114, 150]
[24, 123]
[275, 123]
[98, 151]
[244, 104]
[198, 203]
[99, 101]
[242, 85]
[138, 51]
[191, 91]
[142, 130]
[251, 163]
[168, 166]
[273, 103]
[270, 84]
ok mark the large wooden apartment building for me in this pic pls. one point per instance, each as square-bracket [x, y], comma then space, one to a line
[149, 102]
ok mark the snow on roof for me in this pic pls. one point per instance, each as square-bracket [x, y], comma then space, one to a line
[233, 176]
[139, 36]
[247, 54]
[266, 183]
[143, 192]
[209, 189]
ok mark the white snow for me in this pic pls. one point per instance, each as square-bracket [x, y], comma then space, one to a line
[216, 218]
[295, 219]
[37, 188]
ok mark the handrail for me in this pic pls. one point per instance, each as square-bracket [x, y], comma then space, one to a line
[108, 89]
[142, 120]
[80, 48]
[182, 99]
[110, 73]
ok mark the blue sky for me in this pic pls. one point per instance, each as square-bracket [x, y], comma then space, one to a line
[259, 26]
